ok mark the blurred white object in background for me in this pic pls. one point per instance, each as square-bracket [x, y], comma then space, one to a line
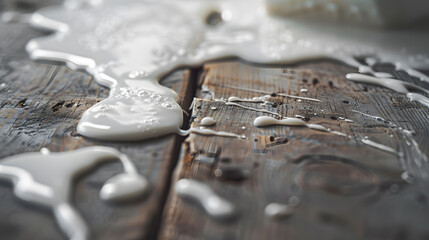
[382, 13]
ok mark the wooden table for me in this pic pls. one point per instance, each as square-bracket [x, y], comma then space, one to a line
[339, 187]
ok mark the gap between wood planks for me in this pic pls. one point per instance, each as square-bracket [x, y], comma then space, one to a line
[193, 74]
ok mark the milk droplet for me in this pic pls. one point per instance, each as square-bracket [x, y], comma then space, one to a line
[210, 132]
[123, 187]
[45, 151]
[407, 177]
[278, 210]
[207, 121]
[265, 121]
[214, 205]
[378, 145]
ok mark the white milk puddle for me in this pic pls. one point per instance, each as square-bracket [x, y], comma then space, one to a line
[128, 46]
[46, 179]
[131, 114]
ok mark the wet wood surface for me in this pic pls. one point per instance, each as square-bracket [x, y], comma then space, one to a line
[338, 187]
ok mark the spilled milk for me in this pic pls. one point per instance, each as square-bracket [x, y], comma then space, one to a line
[128, 47]
[46, 179]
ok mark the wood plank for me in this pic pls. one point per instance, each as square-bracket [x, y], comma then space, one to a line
[40, 106]
[342, 188]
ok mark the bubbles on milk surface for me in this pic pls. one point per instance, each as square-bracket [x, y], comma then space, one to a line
[132, 113]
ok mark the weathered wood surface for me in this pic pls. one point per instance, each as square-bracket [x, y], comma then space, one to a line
[345, 189]
[40, 106]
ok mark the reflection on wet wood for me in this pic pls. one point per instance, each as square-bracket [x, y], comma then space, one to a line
[337, 187]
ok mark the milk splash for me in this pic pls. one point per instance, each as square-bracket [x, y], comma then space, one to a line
[45, 179]
[128, 46]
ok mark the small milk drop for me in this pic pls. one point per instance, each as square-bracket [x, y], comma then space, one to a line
[207, 121]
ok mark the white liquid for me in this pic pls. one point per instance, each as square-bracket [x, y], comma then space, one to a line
[209, 132]
[252, 108]
[265, 121]
[417, 156]
[369, 70]
[299, 98]
[393, 84]
[46, 179]
[207, 121]
[380, 119]
[263, 99]
[131, 114]
[129, 45]
[278, 210]
[268, 92]
[214, 205]
[379, 146]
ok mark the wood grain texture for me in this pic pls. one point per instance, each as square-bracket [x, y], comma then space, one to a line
[40, 106]
[343, 189]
